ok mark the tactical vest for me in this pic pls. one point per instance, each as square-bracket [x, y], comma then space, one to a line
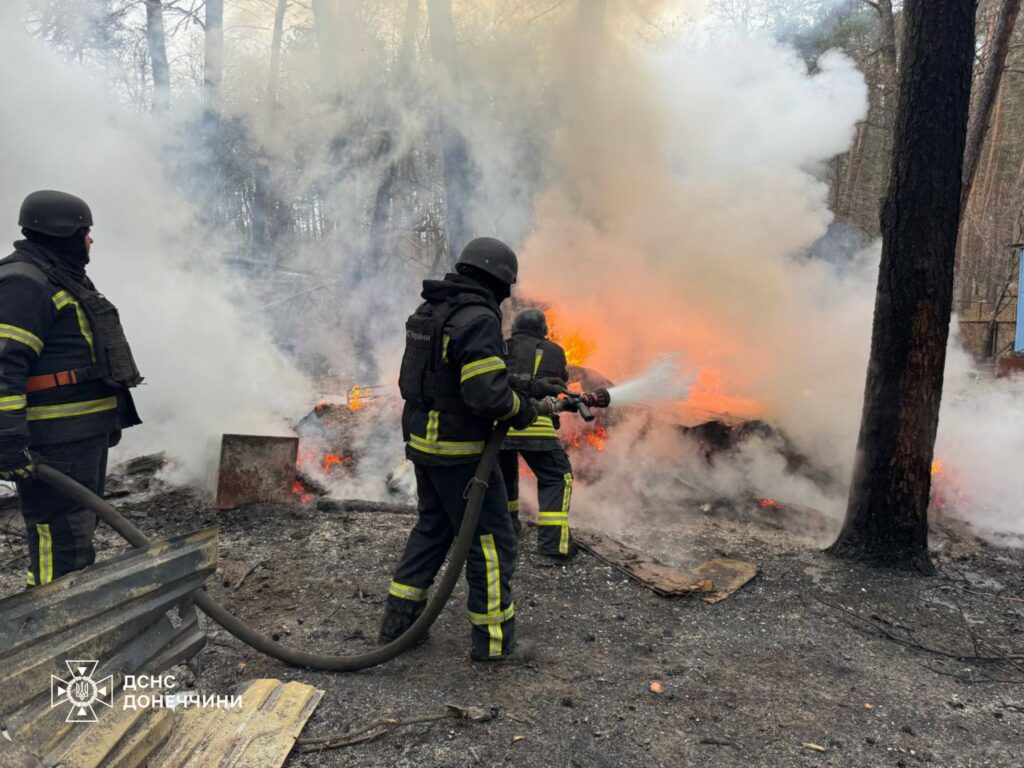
[524, 355]
[115, 364]
[427, 380]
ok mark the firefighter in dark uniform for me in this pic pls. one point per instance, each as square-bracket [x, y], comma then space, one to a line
[533, 357]
[65, 370]
[456, 386]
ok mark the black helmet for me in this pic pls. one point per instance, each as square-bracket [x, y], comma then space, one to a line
[53, 213]
[492, 257]
[531, 321]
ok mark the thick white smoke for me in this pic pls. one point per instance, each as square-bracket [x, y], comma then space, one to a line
[209, 362]
[663, 193]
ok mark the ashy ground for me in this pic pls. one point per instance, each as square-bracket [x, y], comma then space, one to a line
[815, 662]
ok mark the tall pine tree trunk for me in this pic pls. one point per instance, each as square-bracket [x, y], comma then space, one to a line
[455, 154]
[887, 515]
[275, 61]
[981, 112]
[156, 40]
[213, 61]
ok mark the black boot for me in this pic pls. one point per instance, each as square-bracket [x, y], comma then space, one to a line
[397, 619]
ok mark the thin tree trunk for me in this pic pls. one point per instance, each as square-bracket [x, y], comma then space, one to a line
[275, 61]
[455, 153]
[380, 221]
[213, 63]
[156, 39]
[887, 52]
[887, 516]
[992, 162]
[989, 88]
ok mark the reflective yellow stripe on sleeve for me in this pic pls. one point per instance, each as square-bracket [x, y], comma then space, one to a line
[63, 299]
[516, 405]
[13, 402]
[27, 338]
[68, 410]
[479, 367]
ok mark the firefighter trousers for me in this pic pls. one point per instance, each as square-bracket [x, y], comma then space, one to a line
[489, 567]
[554, 495]
[59, 530]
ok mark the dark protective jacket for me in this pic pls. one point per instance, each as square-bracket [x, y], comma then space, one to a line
[538, 357]
[454, 378]
[51, 327]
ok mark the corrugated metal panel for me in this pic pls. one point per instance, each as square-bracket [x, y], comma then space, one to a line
[260, 734]
[119, 614]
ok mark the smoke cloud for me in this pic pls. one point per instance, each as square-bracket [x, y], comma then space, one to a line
[210, 363]
[664, 193]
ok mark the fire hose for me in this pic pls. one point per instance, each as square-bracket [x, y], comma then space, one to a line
[327, 662]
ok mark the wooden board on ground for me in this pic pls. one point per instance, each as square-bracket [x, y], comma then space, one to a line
[715, 580]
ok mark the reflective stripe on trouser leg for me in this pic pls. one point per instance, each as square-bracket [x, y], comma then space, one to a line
[425, 548]
[493, 593]
[45, 543]
[554, 491]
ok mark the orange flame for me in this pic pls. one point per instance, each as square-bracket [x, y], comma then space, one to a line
[936, 467]
[577, 347]
[299, 489]
[769, 503]
[355, 397]
[598, 438]
[331, 460]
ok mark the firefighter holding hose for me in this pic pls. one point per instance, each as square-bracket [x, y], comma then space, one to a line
[65, 372]
[540, 363]
[456, 386]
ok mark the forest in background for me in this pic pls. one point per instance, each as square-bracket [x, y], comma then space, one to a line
[403, 80]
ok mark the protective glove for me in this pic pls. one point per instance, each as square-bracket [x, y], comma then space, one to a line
[599, 398]
[550, 386]
[17, 466]
[547, 406]
[521, 383]
[527, 414]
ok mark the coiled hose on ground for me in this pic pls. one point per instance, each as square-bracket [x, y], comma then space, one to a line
[296, 658]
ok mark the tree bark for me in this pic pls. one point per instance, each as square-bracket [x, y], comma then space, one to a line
[213, 61]
[275, 61]
[157, 42]
[887, 52]
[887, 514]
[981, 112]
[455, 154]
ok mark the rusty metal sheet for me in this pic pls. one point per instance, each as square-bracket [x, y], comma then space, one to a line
[716, 579]
[255, 468]
[663, 579]
[260, 734]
